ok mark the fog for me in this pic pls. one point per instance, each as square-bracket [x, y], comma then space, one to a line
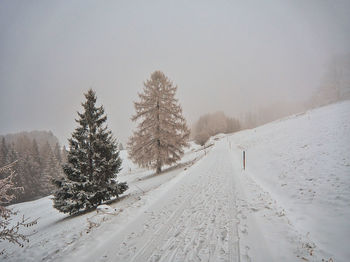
[225, 56]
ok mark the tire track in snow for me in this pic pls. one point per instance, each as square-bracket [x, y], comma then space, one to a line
[234, 236]
[204, 225]
[148, 248]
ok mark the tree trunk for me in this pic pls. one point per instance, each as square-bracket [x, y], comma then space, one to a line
[159, 165]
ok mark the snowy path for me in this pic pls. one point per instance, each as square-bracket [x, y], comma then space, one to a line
[194, 220]
[202, 225]
[211, 212]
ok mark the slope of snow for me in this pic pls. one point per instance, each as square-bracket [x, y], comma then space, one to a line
[215, 211]
[57, 233]
[302, 164]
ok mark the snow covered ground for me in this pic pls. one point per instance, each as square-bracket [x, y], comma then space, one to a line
[292, 203]
[57, 233]
[301, 166]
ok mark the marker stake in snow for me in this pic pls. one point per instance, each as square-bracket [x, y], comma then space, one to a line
[243, 160]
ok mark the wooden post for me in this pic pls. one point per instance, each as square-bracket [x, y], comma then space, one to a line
[243, 160]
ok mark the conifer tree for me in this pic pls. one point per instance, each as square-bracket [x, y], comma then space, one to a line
[35, 167]
[57, 153]
[35, 152]
[49, 172]
[92, 165]
[162, 132]
[64, 154]
[3, 152]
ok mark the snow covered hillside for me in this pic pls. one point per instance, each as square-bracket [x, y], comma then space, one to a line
[292, 203]
[301, 165]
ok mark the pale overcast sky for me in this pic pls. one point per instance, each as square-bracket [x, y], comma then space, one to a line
[223, 55]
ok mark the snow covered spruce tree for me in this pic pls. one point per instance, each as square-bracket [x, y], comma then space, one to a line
[162, 132]
[92, 164]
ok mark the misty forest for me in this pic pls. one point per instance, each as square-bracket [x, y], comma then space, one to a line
[175, 131]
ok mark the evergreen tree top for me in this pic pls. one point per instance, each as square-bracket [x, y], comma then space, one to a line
[92, 117]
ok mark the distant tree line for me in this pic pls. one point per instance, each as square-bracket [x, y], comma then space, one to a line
[335, 85]
[211, 124]
[37, 163]
[268, 113]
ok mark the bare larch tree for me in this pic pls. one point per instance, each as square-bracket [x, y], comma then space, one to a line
[162, 132]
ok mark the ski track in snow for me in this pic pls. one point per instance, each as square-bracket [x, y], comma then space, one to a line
[201, 226]
[194, 221]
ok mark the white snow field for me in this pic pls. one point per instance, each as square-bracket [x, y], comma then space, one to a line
[292, 203]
